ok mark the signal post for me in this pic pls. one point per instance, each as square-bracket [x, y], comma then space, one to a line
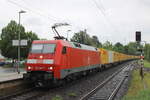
[138, 40]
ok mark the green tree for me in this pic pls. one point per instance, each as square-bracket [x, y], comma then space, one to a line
[147, 52]
[132, 48]
[126, 49]
[95, 41]
[82, 37]
[108, 45]
[9, 33]
[118, 47]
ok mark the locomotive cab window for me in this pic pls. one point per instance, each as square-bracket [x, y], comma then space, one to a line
[49, 48]
[64, 50]
[43, 48]
[36, 48]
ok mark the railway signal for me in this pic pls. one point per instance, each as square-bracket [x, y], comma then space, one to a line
[138, 36]
[138, 40]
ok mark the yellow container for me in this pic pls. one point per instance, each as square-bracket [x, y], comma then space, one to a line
[104, 56]
[116, 56]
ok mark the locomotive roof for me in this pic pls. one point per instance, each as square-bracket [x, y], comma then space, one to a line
[68, 44]
[82, 46]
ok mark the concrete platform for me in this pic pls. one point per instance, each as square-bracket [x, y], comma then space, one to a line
[11, 76]
[7, 74]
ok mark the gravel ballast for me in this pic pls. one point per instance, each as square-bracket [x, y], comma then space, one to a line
[78, 88]
[75, 89]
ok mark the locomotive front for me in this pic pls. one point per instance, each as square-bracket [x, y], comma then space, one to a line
[40, 62]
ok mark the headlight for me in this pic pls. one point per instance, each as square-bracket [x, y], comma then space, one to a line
[51, 68]
[41, 57]
[29, 67]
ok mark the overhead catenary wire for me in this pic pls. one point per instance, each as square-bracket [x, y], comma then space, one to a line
[48, 16]
[40, 11]
[36, 12]
[102, 11]
[101, 5]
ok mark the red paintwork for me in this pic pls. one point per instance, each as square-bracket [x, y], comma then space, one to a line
[75, 57]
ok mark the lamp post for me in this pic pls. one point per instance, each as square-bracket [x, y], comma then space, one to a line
[20, 12]
[68, 34]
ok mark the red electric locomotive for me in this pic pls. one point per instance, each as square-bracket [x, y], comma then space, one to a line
[52, 60]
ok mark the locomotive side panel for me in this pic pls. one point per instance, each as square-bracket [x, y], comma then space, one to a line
[80, 60]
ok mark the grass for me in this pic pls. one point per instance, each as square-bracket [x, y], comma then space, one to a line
[72, 94]
[139, 89]
[57, 97]
[146, 64]
[142, 95]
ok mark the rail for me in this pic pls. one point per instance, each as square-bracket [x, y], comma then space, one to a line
[111, 97]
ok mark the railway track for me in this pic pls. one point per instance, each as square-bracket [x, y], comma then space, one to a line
[10, 86]
[108, 89]
[30, 93]
[15, 94]
[36, 94]
[9, 83]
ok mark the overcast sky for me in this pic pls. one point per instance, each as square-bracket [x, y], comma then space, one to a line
[113, 20]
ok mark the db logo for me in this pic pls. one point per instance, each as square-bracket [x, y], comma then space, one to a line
[39, 61]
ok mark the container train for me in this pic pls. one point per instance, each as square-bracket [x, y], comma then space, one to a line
[51, 61]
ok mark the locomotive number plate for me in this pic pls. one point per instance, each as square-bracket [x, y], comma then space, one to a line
[39, 61]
